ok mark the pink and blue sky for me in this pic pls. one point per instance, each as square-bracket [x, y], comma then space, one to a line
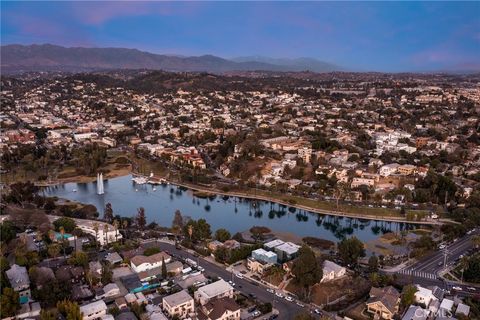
[377, 36]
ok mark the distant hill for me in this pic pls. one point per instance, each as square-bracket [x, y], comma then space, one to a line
[297, 64]
[46, 57]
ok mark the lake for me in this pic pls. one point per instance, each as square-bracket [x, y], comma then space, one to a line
[232, 213]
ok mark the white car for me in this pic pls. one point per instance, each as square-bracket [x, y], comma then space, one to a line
[269, 290]
[290, 299]
[301, 305]
[239, 275]
[279, 294]
[472, 289]
[457, 288]
[232, 283]
[442, 246]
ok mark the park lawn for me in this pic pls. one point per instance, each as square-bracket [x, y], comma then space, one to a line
[329, 206]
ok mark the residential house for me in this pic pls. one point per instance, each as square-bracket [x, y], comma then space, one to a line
[220, 309]
[218, 289]
[424, 296]
[264, 256]
[286, 251]
[179, 305]
[94, 310]
[332, 271]
[388, 169]
[258, 266]
[143, 263]
[415, 313]
[383, 302]
[19, 280]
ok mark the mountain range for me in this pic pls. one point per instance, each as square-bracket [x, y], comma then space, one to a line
[47, 57]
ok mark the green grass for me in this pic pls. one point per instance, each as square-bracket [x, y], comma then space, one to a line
[329, 206]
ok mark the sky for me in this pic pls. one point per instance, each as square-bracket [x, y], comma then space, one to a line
[363, 36]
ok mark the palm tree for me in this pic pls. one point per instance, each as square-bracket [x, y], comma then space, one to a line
[95, 228]
[463, 264]
[105, 230]
[77, 232]
[341, 190]
[125, 226]
[476, 241]
[116, 225]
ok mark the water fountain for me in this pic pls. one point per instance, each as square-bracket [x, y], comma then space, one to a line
[100, 189]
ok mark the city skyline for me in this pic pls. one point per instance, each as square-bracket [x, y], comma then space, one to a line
[392, 37]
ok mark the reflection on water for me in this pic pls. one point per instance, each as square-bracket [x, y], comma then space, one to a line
[235, 214]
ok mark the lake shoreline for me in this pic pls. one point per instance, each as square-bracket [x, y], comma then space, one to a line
[214, 191]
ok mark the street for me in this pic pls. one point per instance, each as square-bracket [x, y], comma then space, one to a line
[287, 310]
[426, 271]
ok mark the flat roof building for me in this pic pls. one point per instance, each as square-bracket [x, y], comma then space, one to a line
[179, 304]
[218, 289]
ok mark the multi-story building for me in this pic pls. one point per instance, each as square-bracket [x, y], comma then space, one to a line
[179, 304]
[218, 289]
[142, 263]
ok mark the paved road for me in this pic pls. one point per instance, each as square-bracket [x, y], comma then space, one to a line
[426, 271]
[287, 310]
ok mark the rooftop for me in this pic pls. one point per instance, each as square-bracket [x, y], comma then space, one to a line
[288, 247]
[272, 244]
[178, 298]
[216, 288]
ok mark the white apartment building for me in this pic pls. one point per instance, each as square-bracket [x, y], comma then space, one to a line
[142, 263]
[179, 304]
[93, 310]
[219, 289]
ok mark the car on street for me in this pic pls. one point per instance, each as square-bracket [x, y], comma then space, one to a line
[472, 289]
[301, 305]
[457, 288]
[231, 283]
[317, 311]
[442, 246]
[269, 290]
[256, 313]
[239, 275]
[289, 299]
[279, 294]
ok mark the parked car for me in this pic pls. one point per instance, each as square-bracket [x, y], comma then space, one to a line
[269, 290]
[290, 299]
[457, 288]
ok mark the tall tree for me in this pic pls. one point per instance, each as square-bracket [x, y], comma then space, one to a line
[307, 269]
[408, 295]
[164, 269]
[70, 310]
[108, 213]
[222, 235]
[350, 250]
[141, 218]
[373, 263]
[9, 302]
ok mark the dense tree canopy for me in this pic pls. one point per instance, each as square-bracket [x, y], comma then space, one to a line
[350, 250]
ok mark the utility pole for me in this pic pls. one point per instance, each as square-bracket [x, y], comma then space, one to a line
[445, 256]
